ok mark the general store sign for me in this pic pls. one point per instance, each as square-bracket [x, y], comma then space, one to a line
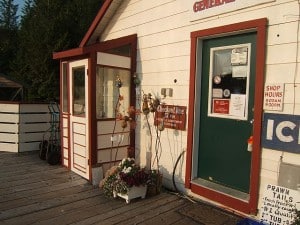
[205, 8]
[171, 116]
[278, 205]
[281, 132]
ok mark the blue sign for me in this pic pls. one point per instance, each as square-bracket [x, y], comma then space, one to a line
[281, 132]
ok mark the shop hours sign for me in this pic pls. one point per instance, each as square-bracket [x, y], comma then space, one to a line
[278, 205]
[273, 97]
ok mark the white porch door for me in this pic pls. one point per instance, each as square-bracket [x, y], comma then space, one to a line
[79, 145]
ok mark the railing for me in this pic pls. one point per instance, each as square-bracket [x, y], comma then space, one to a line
[23, 126]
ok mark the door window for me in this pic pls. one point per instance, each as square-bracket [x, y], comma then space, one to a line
[78, 91]
[228, 81]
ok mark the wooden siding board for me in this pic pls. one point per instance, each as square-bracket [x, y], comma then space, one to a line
[9, 108]
[104, 141]
[30, 137]
[9, 137]
[34, 108]
[9, 147]
[35, 127]
[9, 118]
[9, 128]
[283, 73]
[108, 127]
[31, 146]
[34, 118]
[114, 154]
[164, 65]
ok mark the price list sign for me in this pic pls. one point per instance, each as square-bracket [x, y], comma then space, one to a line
[278, 205]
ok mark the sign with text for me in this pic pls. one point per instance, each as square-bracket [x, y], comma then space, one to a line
[221, 106]
[278, 205]
[281, 132]
[206, 8]
[171, 116]
[273, 97]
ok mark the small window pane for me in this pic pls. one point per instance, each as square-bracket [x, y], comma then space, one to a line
[65, 88]
[108, 93]
[79, 91]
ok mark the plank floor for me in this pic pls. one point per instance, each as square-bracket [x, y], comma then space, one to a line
[33, 192]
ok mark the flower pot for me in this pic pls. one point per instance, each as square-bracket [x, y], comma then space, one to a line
[154, 188]
[133, 192]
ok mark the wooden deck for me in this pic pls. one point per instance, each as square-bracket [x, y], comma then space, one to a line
[33, 192]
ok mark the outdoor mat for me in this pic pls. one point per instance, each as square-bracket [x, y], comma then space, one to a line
[209, 215]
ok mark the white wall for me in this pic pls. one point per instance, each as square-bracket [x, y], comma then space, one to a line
[163, 54]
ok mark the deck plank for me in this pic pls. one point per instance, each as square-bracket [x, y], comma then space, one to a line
[33, 192]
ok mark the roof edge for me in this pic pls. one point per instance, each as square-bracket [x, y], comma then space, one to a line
[95, 22]
[67, 53]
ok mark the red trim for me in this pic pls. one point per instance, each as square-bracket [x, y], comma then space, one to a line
[68, 53]
[95, 23]
[191, 113]
[92, 120]
[259, 26]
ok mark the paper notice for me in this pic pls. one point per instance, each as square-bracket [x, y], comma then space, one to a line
[237, 105]
[239, 71]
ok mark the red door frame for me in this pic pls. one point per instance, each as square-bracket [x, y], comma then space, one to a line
[259, 26]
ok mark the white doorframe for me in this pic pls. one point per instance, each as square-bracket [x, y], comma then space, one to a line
[79, 144]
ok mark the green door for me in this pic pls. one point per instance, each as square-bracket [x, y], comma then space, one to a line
[226, 110]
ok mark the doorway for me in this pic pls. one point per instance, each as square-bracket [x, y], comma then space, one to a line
[79, 132]
[226, 113]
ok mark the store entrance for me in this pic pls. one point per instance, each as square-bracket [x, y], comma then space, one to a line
[226, 113]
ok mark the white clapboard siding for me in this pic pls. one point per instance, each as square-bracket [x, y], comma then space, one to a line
[115, 154]
[9, 147]
[34, 118]
[109, 127]
[27, 147]
[9, 118]
[9, 108]
[105, 141]
[9, 128]
[34, 108]
[163, 29]
[9, 137]
[35, 127]
[24, 126]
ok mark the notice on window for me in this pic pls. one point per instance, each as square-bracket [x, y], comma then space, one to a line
[239, 71]
[221, 106]
[239, 56]
[237, 105]
[278, 205]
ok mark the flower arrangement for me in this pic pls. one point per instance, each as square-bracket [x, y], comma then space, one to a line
[121, 178]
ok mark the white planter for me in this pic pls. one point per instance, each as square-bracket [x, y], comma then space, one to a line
[134, 192]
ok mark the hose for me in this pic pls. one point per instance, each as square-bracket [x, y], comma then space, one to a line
[174, 170]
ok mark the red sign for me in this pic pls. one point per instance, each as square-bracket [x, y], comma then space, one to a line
[171, 116]
[221, 106]
[206, 4]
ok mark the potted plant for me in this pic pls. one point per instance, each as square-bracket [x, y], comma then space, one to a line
[127, 180]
